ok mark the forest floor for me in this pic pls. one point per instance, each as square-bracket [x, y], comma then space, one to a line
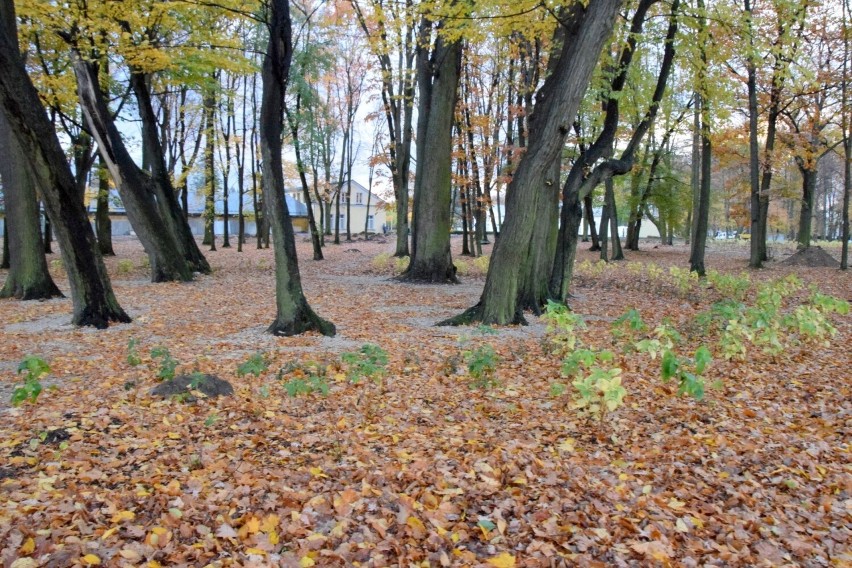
[422, 464]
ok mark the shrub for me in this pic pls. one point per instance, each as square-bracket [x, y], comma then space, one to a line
[33, 368]
[482, 366]
[367, 363]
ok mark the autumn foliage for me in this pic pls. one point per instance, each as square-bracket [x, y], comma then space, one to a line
[400, 443]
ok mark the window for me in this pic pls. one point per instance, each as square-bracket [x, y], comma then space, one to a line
[370, 223]
[359, 197]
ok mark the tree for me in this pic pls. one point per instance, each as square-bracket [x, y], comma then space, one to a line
[582, 31]
[596, 164]
[28, 278]
[294, 315]
[438, 75]
[847, 138]
[91, 292]
[390, 29]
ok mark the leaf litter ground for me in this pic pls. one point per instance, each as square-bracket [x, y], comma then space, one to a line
[419, 469]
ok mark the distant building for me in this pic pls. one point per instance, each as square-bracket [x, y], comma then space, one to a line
[374, 215]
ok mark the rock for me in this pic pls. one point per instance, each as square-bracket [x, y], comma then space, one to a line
[209, 385]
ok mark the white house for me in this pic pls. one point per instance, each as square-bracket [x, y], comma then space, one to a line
[374, 214]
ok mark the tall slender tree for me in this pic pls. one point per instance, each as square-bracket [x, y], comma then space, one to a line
[294, 315]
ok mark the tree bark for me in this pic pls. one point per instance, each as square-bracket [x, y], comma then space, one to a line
[91, 292]
[103, 223]
[173, 218]
[294, 315]
[306, 193]
[431, 260]
[134, 186]
[579, 180]
[28, 277]
[809, 184]
[584, 30]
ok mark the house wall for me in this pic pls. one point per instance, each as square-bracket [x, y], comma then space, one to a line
[358, 210]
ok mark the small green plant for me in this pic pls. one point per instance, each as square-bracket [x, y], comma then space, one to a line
[556, 390]
[133, 358]
[401, 264]
[683, 279]
[313, 384]
[665, 338]
[381, 261]
[481, 263]
[462, 267]
[486, 329]
[33, 368]
[482, 366]
[124, 266]
[583, 358]
[729, 286]
[600, 391]
[211, 420]
[628, 326]
[167, 363]
[56, 264]
[562, 325]
[367, 363]
[254, 365]
[688, 372]
[145, 262]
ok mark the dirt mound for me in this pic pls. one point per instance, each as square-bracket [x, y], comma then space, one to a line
[813, 257]
[210, 385]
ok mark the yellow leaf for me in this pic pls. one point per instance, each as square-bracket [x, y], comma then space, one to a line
[681, 526]
[24, 563]
[504, 560]
[123, 516]
[273, 537]
[173, 436]
[109, 532]
[567, 445]
[675, 504]
[255, 551]
[269, 523]
[317, 472]
[253, 525]
[306, 561]
[91, 560]
[153, 564]
[28, 547]
[159, 531]
[418, 529]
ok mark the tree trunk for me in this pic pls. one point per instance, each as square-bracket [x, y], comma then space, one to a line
[134, 186]
[210, 170]
[809, 184]
[586, 27]
[28, 277]
[103, 223]
[589, 209]
[91, 292]
[431, 259]
[306, 193]
[294, 315]
[699, 244]
[170, 211]
[4, 262]
[48, 234]
[617, 252]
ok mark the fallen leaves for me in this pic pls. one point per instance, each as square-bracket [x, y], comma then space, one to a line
[419, 467]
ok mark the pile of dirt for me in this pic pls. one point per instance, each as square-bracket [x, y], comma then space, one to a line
[813, 257]
[210, 385]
